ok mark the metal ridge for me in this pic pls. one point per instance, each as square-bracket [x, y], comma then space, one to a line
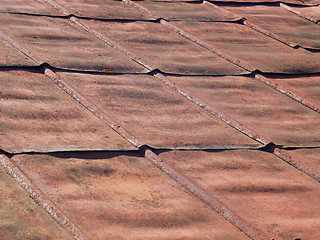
[40, 198]
[310, 18]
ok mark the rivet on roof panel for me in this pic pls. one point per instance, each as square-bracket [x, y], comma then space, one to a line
[254, 48]
[259, 187]
[62, 44]
[21, 218]
[259, 107]
[38, 116]
[154, 113]
[123, 196]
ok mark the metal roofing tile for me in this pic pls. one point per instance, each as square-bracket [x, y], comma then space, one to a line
[262, 109]
[107, 9]
[283, 23]
[62, 44]
[21, 218]
[161, 48]
[123, 196]
[173, 10]
[37, 116]
[261, 2]
[308, 88]
[254, 48]
[311, 13]
[154, 113]
[9, 56]
[310, 157]
[28, 6]
[262, 189]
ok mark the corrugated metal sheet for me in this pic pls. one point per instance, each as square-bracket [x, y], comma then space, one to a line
[27, 6]
[259, 107]
[164, 49]
[297, 2]
[38, 116]
[62, 44]
[112, 195]
[154, 113]
[253, 48]
[258, 186]
[21, 218]
[282, 22]
[310, 13]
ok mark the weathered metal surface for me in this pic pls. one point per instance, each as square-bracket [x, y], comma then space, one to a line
[283, 23]
[306, 87]
[123, 196]
[173, 10]
[27, 6]
[38, 116]
[62, 44]
[297, 2]
[259, 107]
[106, 9]
[9, 56]
[154, 113]
[164, 49]
[21, 218]
[309, 157]
[262, 189]
[310, 13]
[253, 48]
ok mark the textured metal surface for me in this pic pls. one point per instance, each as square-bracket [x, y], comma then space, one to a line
[63, 44]
[106, 9]
[298, 2]
[283, 23]
[310, 157]
[164, 49]
[27, 6]
[21, 218]
[9, 56]
[258, 186]
[306, 87]
[154, 113]
[38, 116]
[174, 10]
[262, 109]
[253, 48]
[310, 13]
[112, 194]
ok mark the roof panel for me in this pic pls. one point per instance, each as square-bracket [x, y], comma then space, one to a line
[262, 109]
[257, 186]
[37, 116]
[21, 218]
[283, 23]
[28, 6]
[254, 48]
[9, 56]
[297, 2]
[123, 197]
[154, 113]
[174, 10]
[106, 9]
[306, 87]
[164, 49]
[61, 44]
[311, 13]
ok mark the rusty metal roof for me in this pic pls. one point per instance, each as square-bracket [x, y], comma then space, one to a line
[158, 119]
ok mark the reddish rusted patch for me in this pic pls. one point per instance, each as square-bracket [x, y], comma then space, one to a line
[258, 186]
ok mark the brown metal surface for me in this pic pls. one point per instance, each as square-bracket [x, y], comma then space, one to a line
[62, 44]
[106, 9]
[310, 13]
[283, 23]
[123, 196]
[38, 116]
[27, 6]
[21, 218]
[154, 113]
[259, 107]
[173, 10]
[9, 56]
[306, 87]
[164, 49]
[297, 2]
[253, 48]
[275, 197]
